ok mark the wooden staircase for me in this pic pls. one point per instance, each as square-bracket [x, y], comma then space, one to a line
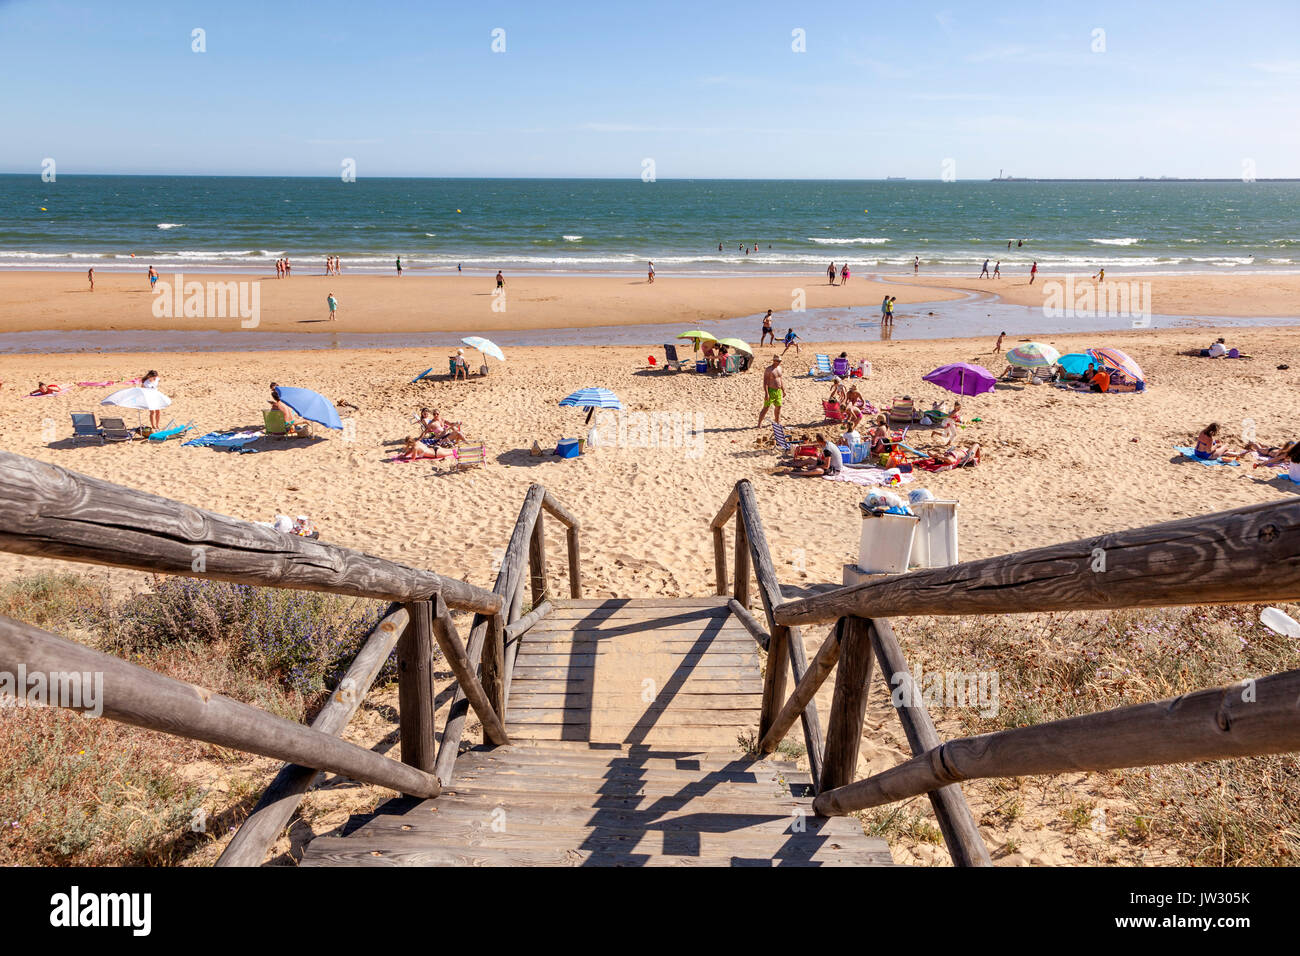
[626, 719]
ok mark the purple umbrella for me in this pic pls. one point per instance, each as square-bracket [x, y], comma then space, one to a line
[962, 378]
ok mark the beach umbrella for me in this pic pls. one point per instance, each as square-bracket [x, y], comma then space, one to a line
[736, 344]
[141, 399]
[697, 336]
[1114, 358]
[592, 399]
[1033, 355]
[312, 406]
[1076, 363]
[486, 346]
[962, 378]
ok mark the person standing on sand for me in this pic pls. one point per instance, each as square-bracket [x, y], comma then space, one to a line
[830, 273]
[650, 275]
[916, 265]
[1033, 271]
[501, 280]
[844, 274]
[767, 330]
[288, 269]
[791, 339]
[997, 346]
[153, 277]
[90, 274]
[773, 391]
[399, 267]
[997, 269]
[984, 273]
[333, 303]
[889, 311]
[884, 309]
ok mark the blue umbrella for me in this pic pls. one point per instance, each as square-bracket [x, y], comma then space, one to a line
[312, 406]
[1076, 363]
[592, 398]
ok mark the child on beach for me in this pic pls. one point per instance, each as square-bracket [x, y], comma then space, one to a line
[333, 303]
[90, 274]
[1033, 271]
[997, 346]
[791, 339]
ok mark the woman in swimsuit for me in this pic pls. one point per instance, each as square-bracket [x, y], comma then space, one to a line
[413, 448]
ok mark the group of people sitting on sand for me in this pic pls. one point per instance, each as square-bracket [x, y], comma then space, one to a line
[437, 438]
[852, 405]
[1209, 448]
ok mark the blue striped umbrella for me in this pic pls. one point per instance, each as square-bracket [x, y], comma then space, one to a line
[592, 398]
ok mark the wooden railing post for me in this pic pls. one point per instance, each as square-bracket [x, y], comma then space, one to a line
[575, 563]
[537, 559]
[849, 708]
[742, 562]
[415, 689]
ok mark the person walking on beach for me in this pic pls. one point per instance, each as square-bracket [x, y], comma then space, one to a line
[501, 280]
[90, 274]
[844, 274]
[767, 330]
[333, 303]
[884, 309]
[997, 346]
[984, 273]
[997, 269]
[1033, 271]
[153, 277]
[399, 267]
[1101, 275]
[773, 390]
[790, 339]
[889, 311]
[650, 275]
[830, 273]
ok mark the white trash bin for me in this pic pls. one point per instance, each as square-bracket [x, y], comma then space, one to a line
[886, 543]
[935, 544]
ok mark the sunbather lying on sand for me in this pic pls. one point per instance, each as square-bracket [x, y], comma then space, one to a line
[954, 458]
[413, 448]
[1273, 454]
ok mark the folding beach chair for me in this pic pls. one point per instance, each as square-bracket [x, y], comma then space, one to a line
[466, 455]
[840, 367]
[114, 429]
[781, 439]
[84, 427]
[901, 412]
[833, 411]
[824, 365]
[275, 426]
[671, 359]
[171, 431]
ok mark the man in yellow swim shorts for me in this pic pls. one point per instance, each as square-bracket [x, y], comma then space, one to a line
[774, 391]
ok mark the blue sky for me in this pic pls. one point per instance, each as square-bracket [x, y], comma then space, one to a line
[704, 89]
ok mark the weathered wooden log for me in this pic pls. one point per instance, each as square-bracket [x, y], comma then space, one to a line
[416, 694]
[742, 566]
[812, 728]
[492, 666]
[849, 707]
[558, 511]
[53, 513]
[135, 695]
[444, 631]
[575, 562]
[1244, 555]
[520, 627]
[720, 561]
[253, 839]
[805, 690]
[537, 559]
[956, 822]
[728, 508]
[453, 728]
[1253, 718]
[751, 623]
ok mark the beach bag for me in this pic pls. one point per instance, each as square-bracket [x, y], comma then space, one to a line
[536, 450]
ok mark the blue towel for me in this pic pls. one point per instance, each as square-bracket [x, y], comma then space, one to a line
[1191, 453]
[1286, 477]
[236, 440]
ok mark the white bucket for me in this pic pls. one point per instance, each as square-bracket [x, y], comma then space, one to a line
[935, 545]
[886, 543]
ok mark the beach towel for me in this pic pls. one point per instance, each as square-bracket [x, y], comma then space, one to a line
[95, 384]
[235, 440]
[1190, 453]
[868, 477]
[165, 433]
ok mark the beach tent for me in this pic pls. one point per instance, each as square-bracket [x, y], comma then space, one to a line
[962, 378]
[1120, 361]
[312, 406]
[1076, 363]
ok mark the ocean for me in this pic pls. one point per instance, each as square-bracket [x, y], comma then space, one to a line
[602, 226]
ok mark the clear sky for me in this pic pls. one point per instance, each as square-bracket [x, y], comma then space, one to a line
[705, 89]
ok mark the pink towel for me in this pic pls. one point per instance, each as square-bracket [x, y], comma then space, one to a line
[95, 384]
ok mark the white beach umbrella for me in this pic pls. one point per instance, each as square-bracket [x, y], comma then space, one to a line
[141, 399]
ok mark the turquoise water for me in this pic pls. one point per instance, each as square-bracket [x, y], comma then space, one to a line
[594, 226]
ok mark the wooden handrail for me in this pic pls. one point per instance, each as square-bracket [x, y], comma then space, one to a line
[138, 696]
[249, 845]
[416, 694]
[1238, 556]
[50, 512]
[444, 631]
[520, 627]
[823, 663]
[1250, 719]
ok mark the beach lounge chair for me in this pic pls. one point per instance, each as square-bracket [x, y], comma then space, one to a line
[833, 411]
[780, 438]
[84, 427]
[171, 431]
[823, 365]
[114, 429]
[901, 412]
[1015, 373]
[840, 367]
[671, 359]
[466, 455]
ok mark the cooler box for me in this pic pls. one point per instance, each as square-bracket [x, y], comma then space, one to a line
[568, 448]
[935, 544]
[886, 543]
[702, 367]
